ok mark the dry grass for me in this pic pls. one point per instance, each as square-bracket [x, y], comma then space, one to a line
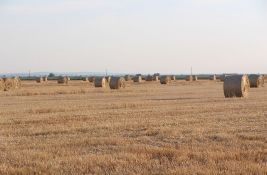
[181, 128]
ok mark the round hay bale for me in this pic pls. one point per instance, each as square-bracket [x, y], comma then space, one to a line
[2, 84]
[39, 80]
[189, 78]
[165, 79]
[63, 80]
[127, 78]
[236, 86]
[100, 82]
[117, 83]
[256, 80]
[173, 77]
[213, 78]
[149, 78]
[91, 79]
[108, 78]
[155, 78]
[9, 84]
[137, 79]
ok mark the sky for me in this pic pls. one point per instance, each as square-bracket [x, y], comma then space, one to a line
[133, 36]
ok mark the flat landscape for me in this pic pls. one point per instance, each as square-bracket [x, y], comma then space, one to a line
[146, 128]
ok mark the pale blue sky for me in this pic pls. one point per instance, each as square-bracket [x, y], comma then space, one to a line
[167, 36]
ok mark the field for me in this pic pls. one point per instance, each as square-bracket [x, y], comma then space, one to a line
[147, 128]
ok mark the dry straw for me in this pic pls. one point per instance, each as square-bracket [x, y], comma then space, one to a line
[256, 80]
[137, 79]
[165, 79]
[9, 84]
[101, 82]
[236, 86]
[117, 83]
[63, 80]
[2, 84]
[17, 82]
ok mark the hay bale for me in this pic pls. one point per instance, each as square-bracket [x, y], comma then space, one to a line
[127, 78]
[108, 78]
[39, 80]
[9, 84]
[256, 80]
[149, 78]
[195, 78]
[189, 78]
[236, 86]
[2, 84]
[155, 78]
[213, 78]
[165, 80]
[117, 83]
[137, 79]
[63, 80]
[101, 82]
[173, 77]
[91, 79]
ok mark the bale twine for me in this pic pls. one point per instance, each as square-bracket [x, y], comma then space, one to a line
[137, 79]
[213, 78]
[256, 80]
[127, 78]
[63, 80]
[39, 80]
[173, 77]
[189, 78]
[149, 78]
[165, 79]
[100, 82]
[9, 84]
[91, 79]
[108, 78]
[117, 83]
[236, 86]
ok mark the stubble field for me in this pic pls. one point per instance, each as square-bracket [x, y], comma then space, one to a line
[147, 128]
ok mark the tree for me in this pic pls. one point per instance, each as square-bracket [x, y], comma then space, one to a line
[51, 75]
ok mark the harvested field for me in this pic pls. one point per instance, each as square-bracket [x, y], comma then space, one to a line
[180, 128]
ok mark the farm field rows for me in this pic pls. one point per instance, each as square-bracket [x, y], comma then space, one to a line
[147, 128]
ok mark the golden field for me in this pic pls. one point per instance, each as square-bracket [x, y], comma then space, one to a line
[147, 128]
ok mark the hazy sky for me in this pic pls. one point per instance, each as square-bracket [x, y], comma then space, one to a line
[167, 36]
